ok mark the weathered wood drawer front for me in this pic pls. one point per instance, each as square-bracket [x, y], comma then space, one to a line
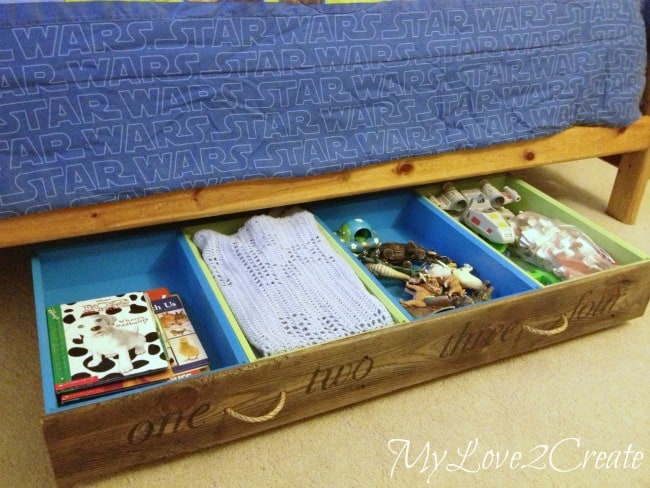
[184, 416]
[243, 395]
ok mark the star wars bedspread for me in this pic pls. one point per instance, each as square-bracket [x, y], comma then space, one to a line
[103, 101]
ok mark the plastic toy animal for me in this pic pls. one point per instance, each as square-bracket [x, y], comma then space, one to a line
[420, 294]
[464, 275]
[453, 286]
[401, 255]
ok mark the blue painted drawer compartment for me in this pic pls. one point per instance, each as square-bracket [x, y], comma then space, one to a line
[404, 215]
[107, 266]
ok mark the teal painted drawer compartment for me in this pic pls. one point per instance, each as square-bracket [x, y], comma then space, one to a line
[404, 216]
[135, 262]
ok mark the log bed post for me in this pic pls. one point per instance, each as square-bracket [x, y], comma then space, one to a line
[632, 176]
[629, 186]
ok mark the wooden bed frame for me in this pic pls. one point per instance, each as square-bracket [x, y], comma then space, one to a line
[629, 147]
[246, 399]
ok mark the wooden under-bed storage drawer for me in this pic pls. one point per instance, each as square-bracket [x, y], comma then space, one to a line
[243, 394]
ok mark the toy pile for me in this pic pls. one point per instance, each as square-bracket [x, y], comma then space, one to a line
[558, 250]
[562, 249]
[435, 282]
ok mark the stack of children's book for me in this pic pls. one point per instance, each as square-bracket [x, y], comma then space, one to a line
[186, 353]
[115, 343]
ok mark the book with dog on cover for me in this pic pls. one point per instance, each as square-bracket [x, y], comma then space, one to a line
[183, 344]
[104, 340]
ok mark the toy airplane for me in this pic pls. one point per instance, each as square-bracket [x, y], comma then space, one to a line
[481, 209]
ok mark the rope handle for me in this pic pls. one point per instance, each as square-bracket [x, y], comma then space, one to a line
[262, 418]
[549, 332]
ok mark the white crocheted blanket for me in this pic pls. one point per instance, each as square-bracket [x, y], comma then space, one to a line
[285, 284]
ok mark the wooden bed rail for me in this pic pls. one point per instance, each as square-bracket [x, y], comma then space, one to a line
[633, 143]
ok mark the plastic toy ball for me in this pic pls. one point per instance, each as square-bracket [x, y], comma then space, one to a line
[358, 235]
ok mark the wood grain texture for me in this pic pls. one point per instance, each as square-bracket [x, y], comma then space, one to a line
[572, 144]
[180, 417]
[645, 98]
[629, 186]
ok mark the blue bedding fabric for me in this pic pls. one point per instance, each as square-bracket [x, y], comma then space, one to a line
[106, 101]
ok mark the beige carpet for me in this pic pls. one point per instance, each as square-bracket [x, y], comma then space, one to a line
[589, 394]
